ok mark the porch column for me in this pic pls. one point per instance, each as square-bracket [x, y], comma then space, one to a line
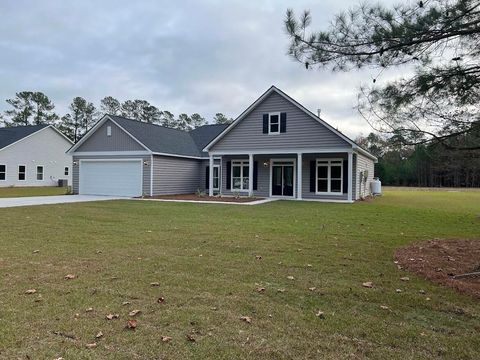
[299, 176]
[250, 174]
[210, 177]
[350, 177]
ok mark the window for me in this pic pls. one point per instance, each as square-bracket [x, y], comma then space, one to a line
[21, 172]
[240, 175]
[216, 177]
[3, 172]
[274, 123]
[109, 131]
[329, 176]
[40, 173]
[66, 171]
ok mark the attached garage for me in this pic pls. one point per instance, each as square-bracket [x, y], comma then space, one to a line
[111, 177]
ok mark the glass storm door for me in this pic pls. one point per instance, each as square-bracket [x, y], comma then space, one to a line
[282, 179]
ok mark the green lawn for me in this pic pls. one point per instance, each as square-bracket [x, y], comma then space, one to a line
[16, 191]
[204, 258]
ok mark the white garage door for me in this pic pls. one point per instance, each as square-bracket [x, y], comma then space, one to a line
[120, 178]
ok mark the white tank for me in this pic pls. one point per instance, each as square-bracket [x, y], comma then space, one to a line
[376, 186]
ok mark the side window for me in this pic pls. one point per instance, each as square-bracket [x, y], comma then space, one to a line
[40, 173]
[109, 130]
[3, 172]
[66, 171]
[21, 172]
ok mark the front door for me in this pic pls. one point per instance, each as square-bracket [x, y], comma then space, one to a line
[282, 178]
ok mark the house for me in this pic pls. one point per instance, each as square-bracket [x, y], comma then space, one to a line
[275, 148]
[34, 156]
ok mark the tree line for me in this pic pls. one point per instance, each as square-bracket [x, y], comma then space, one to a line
[426, 165]
[35, 108]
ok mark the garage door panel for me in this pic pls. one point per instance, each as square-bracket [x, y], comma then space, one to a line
[119, 178]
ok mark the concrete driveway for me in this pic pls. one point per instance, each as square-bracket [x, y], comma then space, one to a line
[45, 200]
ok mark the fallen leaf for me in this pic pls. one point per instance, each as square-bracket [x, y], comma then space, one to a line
[368, 284]
[384, 307]
[421, 291]
[69, 277]
[312, 288]
[290, 277]
[281, 290]
[258, 257]
[91, 345]
[99, 251]
[132, 324]
[155, 284]
[99, 335]
[261, 289]
[405, 278]
[112, 316]
[90, 309]
[36, 251]
[134, 312]
[428, 299]
[30, 291]
[398, 290]
[190, 338]
[161, 300]
[320, 314]
[166, 338]
[309, 265]
[247, 319]
[126, 303]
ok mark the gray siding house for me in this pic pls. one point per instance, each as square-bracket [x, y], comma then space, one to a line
[275, 148]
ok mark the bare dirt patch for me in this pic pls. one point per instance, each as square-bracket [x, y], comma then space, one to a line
[195, 197]
[439, 260]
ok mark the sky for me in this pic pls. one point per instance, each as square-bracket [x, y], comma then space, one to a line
[184, 56]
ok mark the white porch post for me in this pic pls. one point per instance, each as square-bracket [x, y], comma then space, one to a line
[210, 177]
[250, 174]
[299, 176]
[350, 177]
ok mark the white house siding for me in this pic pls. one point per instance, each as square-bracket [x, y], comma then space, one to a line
[363, 163]
[175, 175]
[44, 148]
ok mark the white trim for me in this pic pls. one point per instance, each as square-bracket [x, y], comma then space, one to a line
[329, 177]
[36, 132]
[270, 123]
[210, 175]
[109, 160]
[350, 176]
[24, 173]
[242, 161]
[43, 172]
[297, 104]
[294, 163]
[68, 170]
[299, 176]
[111, 153]
[329, 200]
[4, 172]
[151, 175]
[181, 156]
[250, 174]
[282, 151]
[219, 177]
[95, 127]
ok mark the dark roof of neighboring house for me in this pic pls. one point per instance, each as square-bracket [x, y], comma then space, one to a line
[9, 135]
[166, 140]
[206, 133]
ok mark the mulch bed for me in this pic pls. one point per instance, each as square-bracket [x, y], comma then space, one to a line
[439, 259]
[195, 197]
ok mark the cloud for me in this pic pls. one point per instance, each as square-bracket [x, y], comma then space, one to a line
[183, 56]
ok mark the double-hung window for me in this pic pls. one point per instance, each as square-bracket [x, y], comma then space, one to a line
[66, 171]
[240, 175]
[39, 173]
[329, 175]
[274, 123]
[21, 172]
[216, 177]
[3, 172]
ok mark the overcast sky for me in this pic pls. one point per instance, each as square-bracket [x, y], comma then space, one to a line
[183, 56]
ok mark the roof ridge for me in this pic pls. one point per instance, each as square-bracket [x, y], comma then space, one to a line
[147, 123]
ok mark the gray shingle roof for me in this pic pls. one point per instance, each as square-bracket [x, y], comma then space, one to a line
[167, 140]
[9, 135]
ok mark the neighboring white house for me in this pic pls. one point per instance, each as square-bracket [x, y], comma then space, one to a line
[34, 156]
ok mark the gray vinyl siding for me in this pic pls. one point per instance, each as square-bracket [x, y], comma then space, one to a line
[203, 174]
[146, 170]
[173, 175]
[303, 132]
[363, 163]
[118, 141]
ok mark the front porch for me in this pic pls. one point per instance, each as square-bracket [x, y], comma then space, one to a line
[325, 176]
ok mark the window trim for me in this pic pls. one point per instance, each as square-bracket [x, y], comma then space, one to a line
[43, 173]
[109, 130]
[270, 132]
[241, 163]
[218, 176]
[4, 172]
[24, 173]
[329, 176]
[66, 171]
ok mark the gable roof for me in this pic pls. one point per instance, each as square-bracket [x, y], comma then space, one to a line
[274, 89]
[160, 139]
[11, 135]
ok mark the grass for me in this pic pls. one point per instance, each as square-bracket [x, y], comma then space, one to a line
[16, 191]
[204, 257]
